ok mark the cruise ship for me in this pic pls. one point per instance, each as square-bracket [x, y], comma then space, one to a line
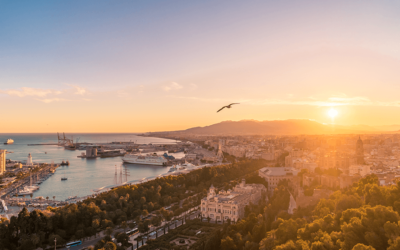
[9, 141]
[153, 159]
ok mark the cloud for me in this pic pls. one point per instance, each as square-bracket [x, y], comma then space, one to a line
[310, 101]
[172, 86]
[78, 90]
[51, 100]
[193, 86]
[47, 95]
[25, 91]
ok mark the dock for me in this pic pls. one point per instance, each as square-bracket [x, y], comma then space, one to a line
[43, 144]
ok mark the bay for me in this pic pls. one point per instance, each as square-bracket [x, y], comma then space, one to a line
[84, 175]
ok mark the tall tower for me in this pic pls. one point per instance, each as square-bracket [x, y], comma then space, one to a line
[220, 155]
[360, 152]
[29, 161]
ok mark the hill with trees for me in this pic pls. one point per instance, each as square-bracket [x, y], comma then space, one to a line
[278, 127]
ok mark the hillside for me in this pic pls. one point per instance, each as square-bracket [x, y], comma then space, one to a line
[279, 127]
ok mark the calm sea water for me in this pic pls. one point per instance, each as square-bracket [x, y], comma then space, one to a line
[84, 175]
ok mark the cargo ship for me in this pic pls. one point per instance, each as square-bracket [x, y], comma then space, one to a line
[153, 159]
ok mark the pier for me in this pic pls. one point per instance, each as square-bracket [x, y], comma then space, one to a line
[43, 144]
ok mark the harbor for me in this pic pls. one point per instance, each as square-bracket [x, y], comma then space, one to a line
[86, 174]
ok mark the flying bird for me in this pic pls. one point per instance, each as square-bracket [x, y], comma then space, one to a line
[227, 106]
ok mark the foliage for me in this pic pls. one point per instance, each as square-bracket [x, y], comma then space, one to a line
[87, 218]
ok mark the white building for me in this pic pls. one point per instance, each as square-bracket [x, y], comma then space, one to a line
[29, 161]
[230, 204]
[292, 205]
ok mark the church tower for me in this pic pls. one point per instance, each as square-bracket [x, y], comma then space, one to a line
[360, 152]
[211, 192]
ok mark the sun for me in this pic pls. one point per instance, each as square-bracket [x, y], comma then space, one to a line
[332, 113]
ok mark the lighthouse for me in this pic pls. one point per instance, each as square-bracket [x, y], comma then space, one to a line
[29, 161]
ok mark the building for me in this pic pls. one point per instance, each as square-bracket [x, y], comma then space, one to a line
[3, 154]
[359, 152]
[292, 205]
[273, 175]
[29, 161]
[230, 204]
[362, 170]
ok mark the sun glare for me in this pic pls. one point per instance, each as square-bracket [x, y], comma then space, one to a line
[332, 113]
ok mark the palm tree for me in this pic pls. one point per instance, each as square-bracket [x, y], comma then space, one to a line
[54, 198]
[124, 225]
[47, 198]
[31, 195]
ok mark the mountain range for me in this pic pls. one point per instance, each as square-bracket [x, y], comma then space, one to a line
[285, 127]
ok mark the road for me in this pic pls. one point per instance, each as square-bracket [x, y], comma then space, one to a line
[160, 232]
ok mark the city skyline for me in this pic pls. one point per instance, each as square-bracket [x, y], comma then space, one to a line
[163, 66]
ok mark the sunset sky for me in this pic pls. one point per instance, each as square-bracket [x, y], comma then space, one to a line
[139, 66]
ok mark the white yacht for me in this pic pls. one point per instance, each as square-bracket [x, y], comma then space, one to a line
[173, 169]
[153, 159]
[25, 191]
[9, 141]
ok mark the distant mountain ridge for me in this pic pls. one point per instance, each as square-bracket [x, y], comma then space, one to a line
[282, 127]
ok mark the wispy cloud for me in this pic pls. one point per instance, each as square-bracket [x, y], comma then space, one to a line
[78, 90]
[172, 86]
[47, 95]
[311, 101]
[25, 91]
[49, 100]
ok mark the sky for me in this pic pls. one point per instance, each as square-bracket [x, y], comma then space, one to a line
[144, 66]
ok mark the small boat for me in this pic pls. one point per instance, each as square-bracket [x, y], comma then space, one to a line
[9, 141]
[64, 163]
[173, 169]
[64, 178]
[25, 191]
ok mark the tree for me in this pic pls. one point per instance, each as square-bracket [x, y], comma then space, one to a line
[35, 239]
[267, 243]
[227, 244]
[109, 231]
[110, 246]
[124, 225]
[54, 198]
[290, 245]
[360, 246]
[145, 213]
[122, 238]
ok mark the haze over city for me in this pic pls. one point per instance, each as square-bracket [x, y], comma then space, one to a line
[160, 65]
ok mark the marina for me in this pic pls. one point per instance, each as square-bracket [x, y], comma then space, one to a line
[84, 175]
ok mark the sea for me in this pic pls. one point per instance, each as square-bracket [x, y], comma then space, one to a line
[84, 175]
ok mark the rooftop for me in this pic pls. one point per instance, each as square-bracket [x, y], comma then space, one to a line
[279, 171]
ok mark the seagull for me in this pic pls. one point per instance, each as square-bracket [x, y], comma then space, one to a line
[227, 106]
